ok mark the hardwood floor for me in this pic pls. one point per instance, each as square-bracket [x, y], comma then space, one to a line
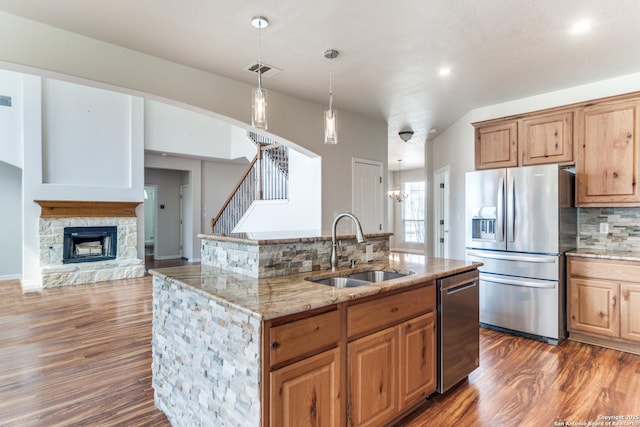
[81, 356]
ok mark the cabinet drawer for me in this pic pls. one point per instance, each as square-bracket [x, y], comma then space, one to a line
[626, 271]
[303, 336]
[385, 311]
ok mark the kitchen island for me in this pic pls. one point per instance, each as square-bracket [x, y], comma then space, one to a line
[230, 349]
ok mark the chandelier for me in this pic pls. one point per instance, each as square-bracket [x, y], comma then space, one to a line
[396, 193]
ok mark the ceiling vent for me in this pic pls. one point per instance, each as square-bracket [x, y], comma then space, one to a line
[265, 70]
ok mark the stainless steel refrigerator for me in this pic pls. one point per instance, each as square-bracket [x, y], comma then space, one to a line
[519, 223]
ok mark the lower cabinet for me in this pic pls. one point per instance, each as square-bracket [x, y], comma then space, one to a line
[307, 393]
[361, 363]
[373, 378]
[417, 360]
[391, 355]
[604, 302]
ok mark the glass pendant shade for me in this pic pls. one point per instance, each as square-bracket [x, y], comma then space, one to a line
[259, 108]
[330, 127]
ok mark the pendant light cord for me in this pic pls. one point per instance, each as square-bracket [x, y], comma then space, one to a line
[260, 58]
[330, 87]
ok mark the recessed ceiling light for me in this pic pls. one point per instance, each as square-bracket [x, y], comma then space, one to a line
[581, 27]
[445, 71]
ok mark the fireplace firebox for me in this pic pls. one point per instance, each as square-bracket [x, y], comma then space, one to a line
[89, 244]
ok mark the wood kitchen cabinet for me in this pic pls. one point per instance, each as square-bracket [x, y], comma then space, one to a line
[417, 376]
[531, 139]
[496, 145]
[304, 377]
[380, 349]
[604, 302]
[630, 311]
[393, 366]
[546, 138]
[608, 154]
[307, 393]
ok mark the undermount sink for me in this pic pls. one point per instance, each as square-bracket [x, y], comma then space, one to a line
[341, 282]
[359, 279]
[376, 275]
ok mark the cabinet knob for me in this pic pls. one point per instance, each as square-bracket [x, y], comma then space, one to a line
[615, 174]
[275, 345]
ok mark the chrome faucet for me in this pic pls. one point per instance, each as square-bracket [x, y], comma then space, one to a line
[334, 245]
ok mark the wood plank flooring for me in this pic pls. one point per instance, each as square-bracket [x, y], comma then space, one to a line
[81, 356]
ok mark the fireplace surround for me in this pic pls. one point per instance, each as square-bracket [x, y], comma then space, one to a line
[112, 230]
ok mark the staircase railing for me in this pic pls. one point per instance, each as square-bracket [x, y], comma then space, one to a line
[266, 178]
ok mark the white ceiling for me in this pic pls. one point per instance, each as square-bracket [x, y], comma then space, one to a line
[390, 51]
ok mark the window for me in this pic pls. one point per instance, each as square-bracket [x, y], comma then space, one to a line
[413, 212]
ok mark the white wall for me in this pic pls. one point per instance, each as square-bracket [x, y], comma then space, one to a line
[27, 45]
[11, 119]
[455, 146]
[176, 130]
[218, 180]
[301, 212]
[86, 136]
[11, 223]
[39, 141]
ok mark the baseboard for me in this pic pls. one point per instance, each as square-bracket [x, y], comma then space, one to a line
[604, 342]
[407, 251]
[11, 277]
[163, 257]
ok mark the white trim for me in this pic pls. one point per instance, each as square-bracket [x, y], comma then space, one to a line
[10, 277]
[163, 257]
[438, 204]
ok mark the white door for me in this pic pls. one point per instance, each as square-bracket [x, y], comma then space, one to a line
[441, 223]
[186, 224]
[368, 193]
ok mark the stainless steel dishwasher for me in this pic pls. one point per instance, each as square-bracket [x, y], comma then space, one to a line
[458, 328]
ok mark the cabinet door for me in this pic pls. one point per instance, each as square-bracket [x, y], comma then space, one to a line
[307, 393]
[373, 378]
[547, 139]
[630, 311]
[593, 307]
[417, 359]
[608, 154]
[497, 145]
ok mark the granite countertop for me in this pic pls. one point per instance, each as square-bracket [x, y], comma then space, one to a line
[268, 298]
[281, 238]
[605, 254]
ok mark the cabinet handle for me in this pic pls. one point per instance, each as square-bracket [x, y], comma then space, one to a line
[615, 174]
[275, 345]
[614, 301]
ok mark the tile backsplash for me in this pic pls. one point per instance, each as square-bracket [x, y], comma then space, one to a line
[623, 229]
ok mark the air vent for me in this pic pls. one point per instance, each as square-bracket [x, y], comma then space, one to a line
[5, 101]
[265, 70]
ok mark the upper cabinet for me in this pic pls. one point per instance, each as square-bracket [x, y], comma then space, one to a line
[532, 139]
[547, 139]
[497, 145]
[607, 154]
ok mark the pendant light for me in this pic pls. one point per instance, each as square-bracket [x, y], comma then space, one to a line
[330, 115]
[396, 193]
[259, 95]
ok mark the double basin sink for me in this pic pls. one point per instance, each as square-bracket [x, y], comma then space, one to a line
[359, 279]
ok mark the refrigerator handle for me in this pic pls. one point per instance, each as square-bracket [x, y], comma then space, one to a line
[500, 212]
[511, 209]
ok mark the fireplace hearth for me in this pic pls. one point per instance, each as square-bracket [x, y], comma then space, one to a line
[89, 244]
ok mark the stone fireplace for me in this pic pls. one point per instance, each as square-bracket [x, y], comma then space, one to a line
[88, 242]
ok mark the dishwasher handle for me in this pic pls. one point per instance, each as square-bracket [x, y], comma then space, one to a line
[459, 288]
